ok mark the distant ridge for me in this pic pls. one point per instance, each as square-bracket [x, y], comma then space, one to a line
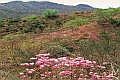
[19, 8]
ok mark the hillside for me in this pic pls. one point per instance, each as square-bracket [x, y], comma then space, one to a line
[76, 46]
[19, 8]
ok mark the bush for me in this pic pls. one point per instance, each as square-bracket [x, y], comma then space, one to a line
[107, 16]
[30, 18]
[34, 26]
[115, 22]
[53, 25]
[49, 13]
[57, 50]
[1, 23]
[86, 47]
[76, 22]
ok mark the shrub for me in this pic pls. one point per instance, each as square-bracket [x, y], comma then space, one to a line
[30, 18]
[53, 25]
[115, 22]
[76, 22]
[49, 13]
[34, 26]
[1, 23]
[107, 16]
[57, 50]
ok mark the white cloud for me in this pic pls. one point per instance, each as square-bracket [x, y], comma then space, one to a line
[94, 3]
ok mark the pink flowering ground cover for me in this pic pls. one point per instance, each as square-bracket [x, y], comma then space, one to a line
[45, 67]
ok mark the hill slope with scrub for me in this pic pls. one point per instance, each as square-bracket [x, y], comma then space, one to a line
[90, 38]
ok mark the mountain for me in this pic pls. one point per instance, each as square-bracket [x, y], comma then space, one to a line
[19, 8]
[83, 7]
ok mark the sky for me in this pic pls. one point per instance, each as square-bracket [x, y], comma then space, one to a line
[94, 3]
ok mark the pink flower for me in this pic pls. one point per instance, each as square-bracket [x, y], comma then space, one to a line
[30, 71]
[95, 76]
[65, 73]
[41, 66]
[48, 74]
[56, 66]
[110, 76]
[63, 58]
[79, 67]
[80, 78]
[25, 64]
[91, 73]
[39, 62]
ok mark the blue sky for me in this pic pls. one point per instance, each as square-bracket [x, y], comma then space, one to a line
[94, 3]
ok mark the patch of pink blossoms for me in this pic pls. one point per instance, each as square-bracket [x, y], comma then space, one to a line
[46, 67]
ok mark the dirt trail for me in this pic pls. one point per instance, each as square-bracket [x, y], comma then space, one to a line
[87, 31]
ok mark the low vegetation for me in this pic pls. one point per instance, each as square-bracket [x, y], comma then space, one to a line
[109, 16]
[91, 39]
[76, 22]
